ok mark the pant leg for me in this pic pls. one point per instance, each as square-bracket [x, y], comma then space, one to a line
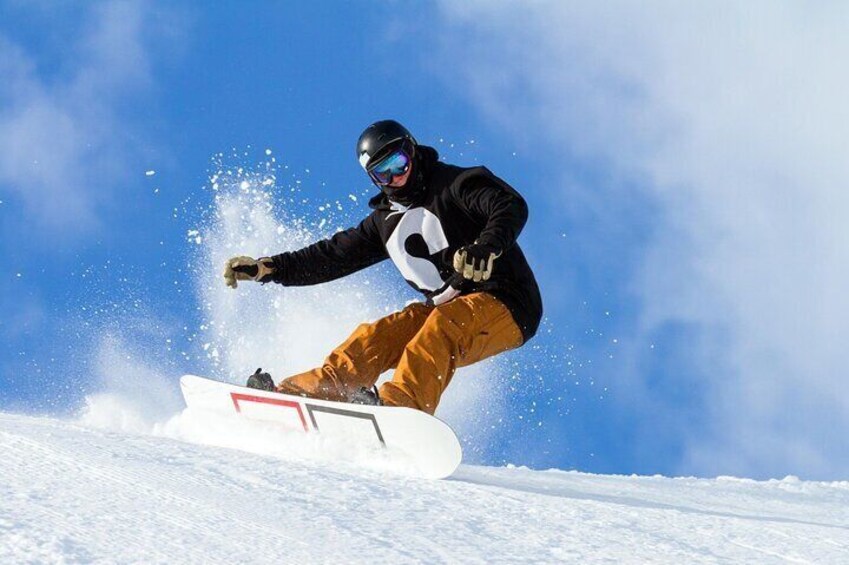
[369, 351]
[463, 331]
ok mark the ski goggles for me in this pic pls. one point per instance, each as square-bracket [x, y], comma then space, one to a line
[395, 164]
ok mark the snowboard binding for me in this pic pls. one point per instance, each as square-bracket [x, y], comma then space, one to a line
[366, 396]
[261, 381]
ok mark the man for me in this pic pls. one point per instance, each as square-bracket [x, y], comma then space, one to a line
[452, 232]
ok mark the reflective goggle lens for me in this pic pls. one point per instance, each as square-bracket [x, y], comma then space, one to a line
[394, 165]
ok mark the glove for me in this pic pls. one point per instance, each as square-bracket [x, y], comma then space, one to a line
[474, 262]
[248, 269]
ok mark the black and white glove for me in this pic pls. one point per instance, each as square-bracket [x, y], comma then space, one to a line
[474, 262]
[247, 269]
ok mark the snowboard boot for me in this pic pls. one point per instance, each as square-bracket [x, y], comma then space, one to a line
[367, 396]
[261, 380]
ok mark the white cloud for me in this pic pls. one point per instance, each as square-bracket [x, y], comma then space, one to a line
[61, 136]
[733, 118]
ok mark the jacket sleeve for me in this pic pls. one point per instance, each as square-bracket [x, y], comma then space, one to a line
[502, 209]
[344, 253]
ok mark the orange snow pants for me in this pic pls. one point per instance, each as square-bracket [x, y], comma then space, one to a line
[424, 344]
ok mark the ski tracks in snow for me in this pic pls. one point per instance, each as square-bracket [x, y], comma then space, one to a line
[121, 505]
[688, 519]
[70, 494]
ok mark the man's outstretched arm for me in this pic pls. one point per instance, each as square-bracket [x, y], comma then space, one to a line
[342, 254]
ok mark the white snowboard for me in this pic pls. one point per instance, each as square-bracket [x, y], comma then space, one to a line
[429, 443]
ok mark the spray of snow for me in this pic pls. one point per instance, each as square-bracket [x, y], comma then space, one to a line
[134, 394]
[284, 330]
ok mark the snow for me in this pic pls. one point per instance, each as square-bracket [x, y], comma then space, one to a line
[74, 493]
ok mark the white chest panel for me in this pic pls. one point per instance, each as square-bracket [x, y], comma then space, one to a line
[420, 271]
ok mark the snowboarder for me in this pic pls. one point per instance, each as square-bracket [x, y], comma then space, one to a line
[452, 232]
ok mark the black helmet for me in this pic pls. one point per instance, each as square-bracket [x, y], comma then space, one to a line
[378, 139]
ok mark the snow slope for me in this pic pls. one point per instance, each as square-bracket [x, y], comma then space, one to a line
[69, 493]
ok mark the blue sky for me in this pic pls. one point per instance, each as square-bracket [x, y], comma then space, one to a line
[689, 243]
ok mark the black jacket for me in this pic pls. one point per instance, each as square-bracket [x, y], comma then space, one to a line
[452, 207]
